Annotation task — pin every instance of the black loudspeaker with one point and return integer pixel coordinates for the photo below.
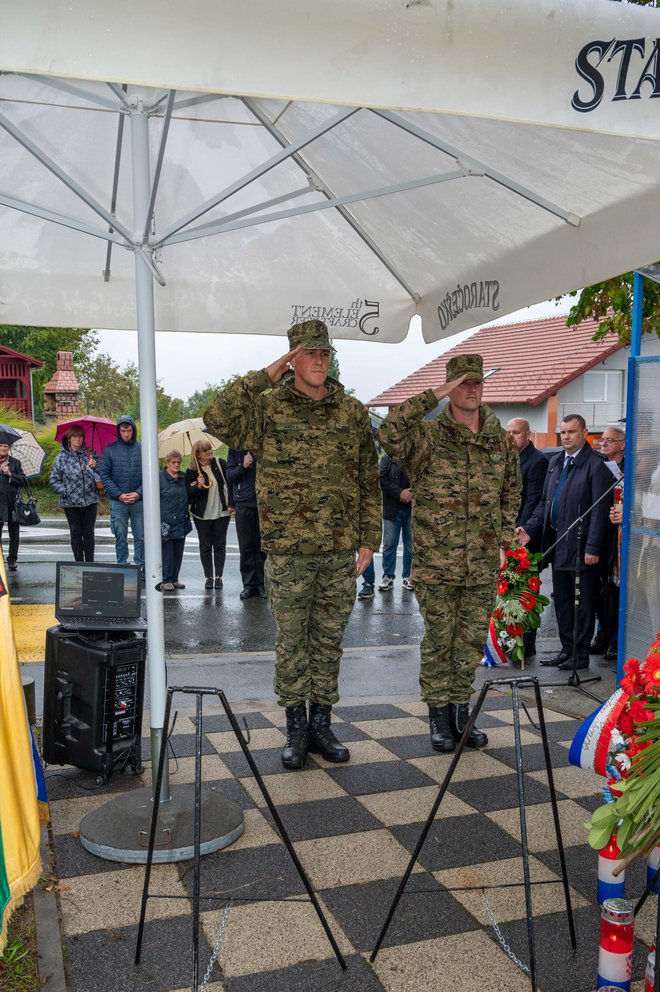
(93, 699)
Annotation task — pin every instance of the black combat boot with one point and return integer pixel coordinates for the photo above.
(321, 739)
(442, 738)
(459, 715)
(294, 752)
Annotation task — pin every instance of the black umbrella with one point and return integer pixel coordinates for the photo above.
(8, 435)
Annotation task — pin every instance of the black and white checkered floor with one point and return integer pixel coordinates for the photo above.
(353, 827)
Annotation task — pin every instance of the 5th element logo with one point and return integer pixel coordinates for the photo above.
(362, 314)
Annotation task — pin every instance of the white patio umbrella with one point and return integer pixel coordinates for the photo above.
(183, 435)
(359, 161)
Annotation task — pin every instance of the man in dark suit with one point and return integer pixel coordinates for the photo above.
(576, 479)
(533, 468)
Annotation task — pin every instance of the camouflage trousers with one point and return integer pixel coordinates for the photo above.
(311, 598)
(456, 622)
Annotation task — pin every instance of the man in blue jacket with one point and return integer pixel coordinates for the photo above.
(242, 477)
(121, 473)
(577, 478)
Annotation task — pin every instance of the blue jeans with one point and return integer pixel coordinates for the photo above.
(369, 574)
(401, 525)
(120, 514)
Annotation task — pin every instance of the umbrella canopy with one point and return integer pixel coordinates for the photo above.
(473, 159)
(30, 454)
(382, 159)
(8, 435)
(99, 431)
(182, 435)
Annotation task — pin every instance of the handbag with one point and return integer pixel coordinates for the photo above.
(25, 509)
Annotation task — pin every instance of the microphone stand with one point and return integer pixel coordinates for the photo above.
(574, 681)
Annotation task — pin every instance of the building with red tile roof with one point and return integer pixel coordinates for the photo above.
(544, 368)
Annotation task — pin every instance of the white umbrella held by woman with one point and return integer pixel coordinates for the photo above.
(183, 435)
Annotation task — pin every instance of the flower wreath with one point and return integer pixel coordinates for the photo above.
(631, 810)
(519, 603)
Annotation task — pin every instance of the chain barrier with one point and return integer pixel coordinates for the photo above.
(500, 936)
(216, 949)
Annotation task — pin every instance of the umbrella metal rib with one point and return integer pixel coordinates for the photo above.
(256, 173)
(323, 187)
(479, 168)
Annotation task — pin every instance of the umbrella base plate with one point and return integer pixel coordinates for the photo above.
(119, 830)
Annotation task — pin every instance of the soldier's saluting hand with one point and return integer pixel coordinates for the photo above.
(277, 369)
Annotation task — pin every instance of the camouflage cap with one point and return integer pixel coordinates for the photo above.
(471, 366)
(310, 334)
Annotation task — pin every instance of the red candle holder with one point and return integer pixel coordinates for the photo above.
(616, 944)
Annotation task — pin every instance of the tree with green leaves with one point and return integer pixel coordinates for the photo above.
(200, 400)
(610, 303)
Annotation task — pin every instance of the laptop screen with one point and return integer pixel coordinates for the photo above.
(89, 589)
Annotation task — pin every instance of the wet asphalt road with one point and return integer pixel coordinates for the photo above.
(212, 638)
(211, 622)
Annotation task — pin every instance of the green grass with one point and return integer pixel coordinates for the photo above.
(18, 964)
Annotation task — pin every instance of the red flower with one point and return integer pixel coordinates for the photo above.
(636, 747)
(502, 587)
(625, 724)
(534, 583)
(650, 676)
(638, 711)
(520, 553)
(527, 601)
(514, 629)
(631, 681)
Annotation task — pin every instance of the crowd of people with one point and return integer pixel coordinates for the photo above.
(311, 503)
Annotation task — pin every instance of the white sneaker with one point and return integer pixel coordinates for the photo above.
(407, 583)
(387, 583)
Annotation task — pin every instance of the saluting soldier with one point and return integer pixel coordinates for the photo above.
(319, 505)
(465, 473)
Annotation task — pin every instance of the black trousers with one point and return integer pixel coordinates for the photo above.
(563, 585)
(81, 524)
(249, 544)
(212, 545)
(14, 540)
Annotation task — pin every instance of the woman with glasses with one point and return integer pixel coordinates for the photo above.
(208, 494)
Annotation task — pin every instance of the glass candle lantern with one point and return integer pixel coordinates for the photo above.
(616, 944)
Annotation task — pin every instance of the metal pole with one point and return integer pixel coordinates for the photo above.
(149, 430)
(631, 444)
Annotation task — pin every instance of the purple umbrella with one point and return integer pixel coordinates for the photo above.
(99, 431)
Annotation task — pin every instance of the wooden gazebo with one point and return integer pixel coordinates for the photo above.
(16, 380)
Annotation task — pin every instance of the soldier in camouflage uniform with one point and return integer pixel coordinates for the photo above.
(465, 473)
(319, 503)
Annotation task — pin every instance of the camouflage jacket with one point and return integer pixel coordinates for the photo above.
(317, 470)
(466, 489)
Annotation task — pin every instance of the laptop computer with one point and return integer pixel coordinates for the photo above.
(97, 597)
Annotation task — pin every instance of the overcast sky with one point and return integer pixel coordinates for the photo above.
(187, 362)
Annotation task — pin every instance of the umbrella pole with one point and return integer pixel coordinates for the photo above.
(119, 830)
(149, 429)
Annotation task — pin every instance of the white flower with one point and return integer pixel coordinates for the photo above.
(617, 740)
(623, 761)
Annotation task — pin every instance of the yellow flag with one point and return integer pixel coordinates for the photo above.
(20, 828)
